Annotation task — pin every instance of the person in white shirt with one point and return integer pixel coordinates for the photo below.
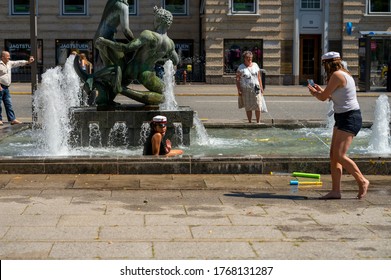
(341, 89)
(6, 64)
(249, 85)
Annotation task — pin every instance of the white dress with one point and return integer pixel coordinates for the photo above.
(250, 101)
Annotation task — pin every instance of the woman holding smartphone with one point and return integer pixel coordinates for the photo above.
(341, 89)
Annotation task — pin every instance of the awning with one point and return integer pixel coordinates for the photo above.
(376, 33)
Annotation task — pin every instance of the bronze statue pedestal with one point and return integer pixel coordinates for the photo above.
(133, 116)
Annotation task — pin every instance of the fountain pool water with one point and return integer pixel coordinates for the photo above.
(220, 142)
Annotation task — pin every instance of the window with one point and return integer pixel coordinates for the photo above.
(20, 7)
(65, 47)
(184, 49)
(380, 57)
(244, 6)
(176, 7)
(132, 7)
(233, 50)
(74, 7)
(286, 57)
(379, 6)
(310, 4)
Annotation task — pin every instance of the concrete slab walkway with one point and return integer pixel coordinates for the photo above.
(190, 217)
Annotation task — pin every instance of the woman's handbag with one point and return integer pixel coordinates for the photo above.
(263, 103)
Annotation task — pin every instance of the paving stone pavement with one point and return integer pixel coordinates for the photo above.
(189, 217)
(163, 217)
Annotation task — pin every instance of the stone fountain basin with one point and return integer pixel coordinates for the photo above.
(370, 164)
(184, 165)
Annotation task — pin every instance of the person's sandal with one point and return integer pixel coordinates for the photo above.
(1, 123)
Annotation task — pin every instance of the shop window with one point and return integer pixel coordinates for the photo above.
(132, 7)
(20, 49)
(65, 47)
(286, 57)
(176, 7)
(380, 57)
(74, 7)
(310, 4)
(185, 51)
(233, 50)
(379, 6)
(244, 6)
(20, 7)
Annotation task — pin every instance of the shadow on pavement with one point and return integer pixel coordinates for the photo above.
(268, 195)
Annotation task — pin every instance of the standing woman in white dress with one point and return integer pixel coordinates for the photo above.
(250, 88)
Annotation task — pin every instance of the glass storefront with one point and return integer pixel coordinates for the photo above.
(374, 60)
(184, 49)
(233, 50)
(380, 57)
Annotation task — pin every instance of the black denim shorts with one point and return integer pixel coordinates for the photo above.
(350, 121)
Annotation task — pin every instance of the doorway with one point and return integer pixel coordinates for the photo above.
(310, 58)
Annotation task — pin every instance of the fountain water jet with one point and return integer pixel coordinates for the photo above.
(59, 91)
(202, 134)
(95, 136)
(118, 135)
(380, 139)
(170, 103)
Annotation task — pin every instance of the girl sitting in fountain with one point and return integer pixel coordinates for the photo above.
(156, 144)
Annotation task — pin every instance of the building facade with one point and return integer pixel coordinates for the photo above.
(286, 37)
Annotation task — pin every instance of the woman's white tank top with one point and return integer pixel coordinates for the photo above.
(345, 99)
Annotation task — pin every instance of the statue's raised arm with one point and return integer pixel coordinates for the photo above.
(116, 13)
(124, 19)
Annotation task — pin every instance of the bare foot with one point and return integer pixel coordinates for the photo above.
(331, 195)
(363, 189)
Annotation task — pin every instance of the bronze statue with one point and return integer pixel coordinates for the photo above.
(116, 13)
(135, 60)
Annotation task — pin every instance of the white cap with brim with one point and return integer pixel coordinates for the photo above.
(159, 119)
(331, 55)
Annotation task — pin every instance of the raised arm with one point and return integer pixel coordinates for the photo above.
(124, 20)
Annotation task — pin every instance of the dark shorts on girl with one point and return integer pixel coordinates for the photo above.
(350, 121)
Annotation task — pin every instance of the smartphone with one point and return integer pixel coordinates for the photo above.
(311, 82)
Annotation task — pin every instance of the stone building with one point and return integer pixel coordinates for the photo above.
(287, 37)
